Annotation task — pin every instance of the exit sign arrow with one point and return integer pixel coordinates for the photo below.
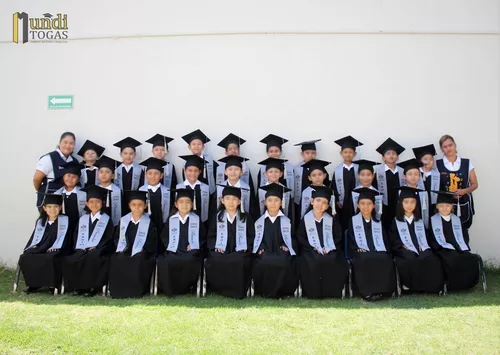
(60, 101)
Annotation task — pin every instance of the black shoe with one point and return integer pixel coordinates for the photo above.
(373, 297)
(77, 293)
(29, 290)
(91, 293)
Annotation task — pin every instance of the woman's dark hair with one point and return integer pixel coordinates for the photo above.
(222, 209)
(400, 211)
(67, 134)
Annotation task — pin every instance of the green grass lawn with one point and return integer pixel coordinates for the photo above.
(463, 323)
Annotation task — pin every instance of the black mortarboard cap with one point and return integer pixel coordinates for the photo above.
(73, 167)
(154, 163)
(231, 138)
(407, 191)
(107, 162)
(364, 164)
(193, 160)
(272, 140)
(366, 193)
(275, 190)
(410, 164)
(424, 150)
(321, 191)
(316, 164)
(348, 142)
(135, 195)
(198, 134)
(446, 197)
(233, 160)
(231, 191)
(89, 145)
(128, 142)
(51, 199)
(159, 140)
(390, 144)
(179, 193)
(274, 163)
(308, 145)
(94, 191)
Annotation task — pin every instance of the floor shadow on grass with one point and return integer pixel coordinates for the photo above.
(472, 298)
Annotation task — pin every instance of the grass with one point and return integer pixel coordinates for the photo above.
(462, 323)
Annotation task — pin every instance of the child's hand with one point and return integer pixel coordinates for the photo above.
(189, 247)
(339, 205)
(51, 250)
(362, 250)
(284, 248)
(219, 250)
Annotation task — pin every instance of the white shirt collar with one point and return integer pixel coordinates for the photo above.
(409, 219)
(134, 222)
(455, 165)
(238, 184)
(94, 217)
(70, 192)
(348, 167)
(229, 218)
(187, 183)
(182, 219)
(109, 187)
(393, 171)
(91, 168)
(154, 188)
(127, 167)
(68, 159)
(273, 219)
(446, 218)
(50, 222)
(426, 173)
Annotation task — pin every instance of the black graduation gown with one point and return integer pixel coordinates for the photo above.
(420, 272)
(427, 184)
(130, 276)
(373, 271)
(178, 272)
(461, 268)
(107, 209)
(88, 269)
(71, 210)
(389, 211)
(91, 175)
(229, 274)
(127, 186)
(345, 213)
(274, 271)
(322, 276)
(202, 177)
(157, 214)
(41, 268)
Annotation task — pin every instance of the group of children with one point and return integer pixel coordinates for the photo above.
(114, 223)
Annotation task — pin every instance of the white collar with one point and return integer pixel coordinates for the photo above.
(91, 168)
(182, 219)
(409, 219)
(187, 183)
(456, 162)
(229, 218)
(70, 192)
(68, 159)
(426, 173)
(154, 188)
(371, 187)
(271, 218)
(134, 222)
(393, 171)
(127, 167)
(94, 217)
(235, 185)
(317, 219)
(348, 167)
(446, 218)
(109, 187)
(50, 222)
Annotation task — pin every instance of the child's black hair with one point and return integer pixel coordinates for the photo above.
(400, 211)
(222, 209)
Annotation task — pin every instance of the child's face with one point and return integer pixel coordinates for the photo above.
(192, 173)
(137, 207)
(365, 178)
(308, 155)
(154, 177)
(428, 161)
(159, 152)
(320, 204)
(273, 204)
(128, 155)
(105, 175)
(348, 154)
(231, 203)
(366, 206)
(94, 205)
(444, 209)
(273, 175)
(412, 176)
(317, 177)
(70, 180)
(184, 205)
(196, 146)
(409, 205)
(90, 157)
(52, 210)
(233, 149)
(233, 173)
(274, 152)
(390, 157)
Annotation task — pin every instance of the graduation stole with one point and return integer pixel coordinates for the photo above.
(435, 177)
(209, 172)
(136, 176)
(312, 232)
(165, 201)
(193, 232)
(404, 235)
(84, 179)
(286, 228)
(140, 237)
(167, 175)
(245, 195)
(62, 229)
(378, 201)
(83, 241)
(114, 199)
(298, 171)
(285, 202)
(382, 181)
(81, 198)
(437, 228)
(205, 199)
(241, 233)
(339, 180)
(360, 235)
(220, 176)
(424, 202)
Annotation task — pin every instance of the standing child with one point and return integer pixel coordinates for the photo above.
(317, 175)
(113, 203)
(366, 178)
(430, 175)
(128, 175)
(232, 143)
(160, 151)
(412, 177)
(274, 145)
(90, 152)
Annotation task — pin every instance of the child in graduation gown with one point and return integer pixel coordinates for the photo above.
(366, 178)
(274, 145)
(202, 201)
(323, 268)
(74, 198)
(230, 244)
(232, 143)
(413, 179)
(372, 263)
(160, 151)
(113, 204)
(419, 268)
(160, 200)
(41, 260)
(389, 178)
(274, 271)
(128, 175)
(430, 175)
(86, 270)
(133, 263)
(233, 170)
(90, 152)
(274, 171)
(196, 141)
(317, 175)
(450, 241)
(345, 179)
(184, 239)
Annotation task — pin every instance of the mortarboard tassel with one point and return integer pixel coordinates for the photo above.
(149, 203)
(242, 209)
(64, 205)
(194, 202)
(107, 198)
(459, 210)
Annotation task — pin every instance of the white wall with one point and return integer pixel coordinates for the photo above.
(348, 79)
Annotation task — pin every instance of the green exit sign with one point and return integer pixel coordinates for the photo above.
(60, 101)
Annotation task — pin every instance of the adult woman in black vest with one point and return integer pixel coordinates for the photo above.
(458, 176)
(48, 174)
